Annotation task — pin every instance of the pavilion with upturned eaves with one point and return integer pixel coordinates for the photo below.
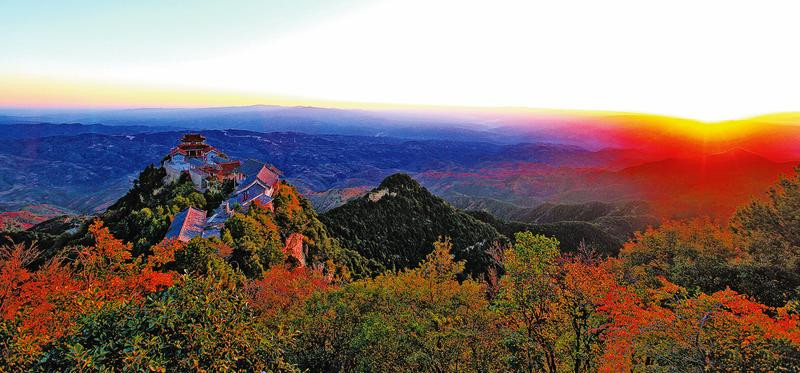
(205, 165)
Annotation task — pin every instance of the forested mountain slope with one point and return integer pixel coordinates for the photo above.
(397, 223)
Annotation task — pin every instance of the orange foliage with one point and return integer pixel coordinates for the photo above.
(47, 301)
(34, 294)
(109, 274)
(281, 289)
(642, 328)
(223, 250)
(164, 252)
(674, 238)
(628, 318)
(721, 329)
(292, 203)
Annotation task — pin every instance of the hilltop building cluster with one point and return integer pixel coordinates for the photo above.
(208, 168)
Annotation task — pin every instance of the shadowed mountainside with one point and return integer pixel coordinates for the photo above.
(615, 221)
(397, 223)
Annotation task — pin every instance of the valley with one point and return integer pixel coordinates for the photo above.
(85, 168)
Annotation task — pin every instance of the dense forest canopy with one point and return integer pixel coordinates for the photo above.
(398, 280)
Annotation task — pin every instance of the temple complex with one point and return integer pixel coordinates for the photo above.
(207, 167)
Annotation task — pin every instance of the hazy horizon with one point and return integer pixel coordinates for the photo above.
(443, 110)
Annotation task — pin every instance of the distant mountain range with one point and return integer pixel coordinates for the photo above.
(270, 118)
(772, 136)
(92, 168)
(618, 220)
(617, 172)
(37, 130)
(710, 185)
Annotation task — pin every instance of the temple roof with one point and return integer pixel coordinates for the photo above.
(205, 148)
(193, 137)
(177, 150)
(218, 217)
(214, 156)
(250, 167)
(245, 196)
(185, 148)
(187, 224)
(264, 200)
(264, 176)
(229, 167)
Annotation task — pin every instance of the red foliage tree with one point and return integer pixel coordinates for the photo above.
(44, 303)
(720, 331)
(282, 289)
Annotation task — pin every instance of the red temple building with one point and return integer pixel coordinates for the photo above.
(206, 166)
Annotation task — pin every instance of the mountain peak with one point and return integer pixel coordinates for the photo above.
(399, 182)
(399, 231)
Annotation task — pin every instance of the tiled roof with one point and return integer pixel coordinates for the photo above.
(193, 137)
(177, 150)
(187, 224)
(229, 167)
(244, 197)
(204, 147)
(215, 157)
(265, 201)
(250, 167)
(211, 170)
(253, 191)
(264, 176)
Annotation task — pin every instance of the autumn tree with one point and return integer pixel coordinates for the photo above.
(42, 306)
(549, 306)
(419, 319)
(283, 291)
(703, 256)
(672, 331)
(196, 325)
(256, 240)
(289, 211)
(528, 303)
(583, 283)
(35, 307)
(771, 229)
(198, 257)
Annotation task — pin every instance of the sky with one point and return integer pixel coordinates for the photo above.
(702, 59)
